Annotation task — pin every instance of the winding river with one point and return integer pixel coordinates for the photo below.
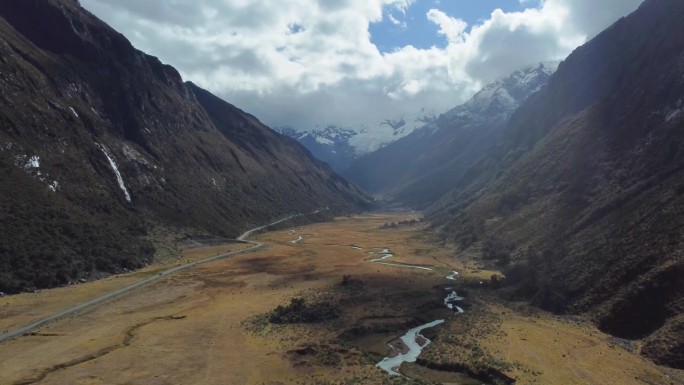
(299, 239)
(408, 347)
(386, 254)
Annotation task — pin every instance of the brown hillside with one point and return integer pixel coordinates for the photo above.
(586, 188)
(77, 104)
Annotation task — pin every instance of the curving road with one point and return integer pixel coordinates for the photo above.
(243, 238)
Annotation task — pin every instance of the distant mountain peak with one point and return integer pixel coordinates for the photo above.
(339, 146)
(501, 96)
(424, 164)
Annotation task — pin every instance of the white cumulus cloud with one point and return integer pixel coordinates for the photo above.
(313, 62)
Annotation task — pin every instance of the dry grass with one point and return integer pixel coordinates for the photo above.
(536, 347)
(192, 328)
(546, 349)
(22, 309)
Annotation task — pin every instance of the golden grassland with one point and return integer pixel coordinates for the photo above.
(535, 347)
(22, 309)
(550, 350)
(207, 325)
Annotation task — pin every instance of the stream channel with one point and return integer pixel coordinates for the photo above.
(410, 345)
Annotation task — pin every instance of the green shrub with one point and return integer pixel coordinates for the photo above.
(298, 311)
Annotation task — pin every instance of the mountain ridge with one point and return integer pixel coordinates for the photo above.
(107, 143)
(341, 146)
(580, 201)
(419, 168)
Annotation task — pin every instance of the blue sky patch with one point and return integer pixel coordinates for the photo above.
(397, 30)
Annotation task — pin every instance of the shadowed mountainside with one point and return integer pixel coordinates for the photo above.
(582, 200)
(100, 142)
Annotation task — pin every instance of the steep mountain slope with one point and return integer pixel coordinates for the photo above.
(341, 146)
(587, 186)
(100, 142)
(421, 167)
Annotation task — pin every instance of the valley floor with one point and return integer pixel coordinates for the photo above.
(209, 325)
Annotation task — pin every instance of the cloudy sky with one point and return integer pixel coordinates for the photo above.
(304, 63)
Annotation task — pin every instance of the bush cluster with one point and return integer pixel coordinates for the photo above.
(498, 250)
(298, 311)
(394, 225)
(48, 241)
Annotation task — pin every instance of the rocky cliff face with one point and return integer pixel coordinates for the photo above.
(585, 186)
(100, 142)
(421, 167)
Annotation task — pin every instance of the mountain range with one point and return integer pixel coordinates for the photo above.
(568, 178)
(101, 143)
(341, 146)
(577, 194)
(420, 167)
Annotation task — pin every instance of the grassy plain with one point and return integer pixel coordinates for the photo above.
(208, 325)
(25, 308)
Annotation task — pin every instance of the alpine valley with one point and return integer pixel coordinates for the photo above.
(573, 191)
(152, 233)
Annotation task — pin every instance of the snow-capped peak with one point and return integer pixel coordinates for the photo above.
(505, 95)
(339, 146)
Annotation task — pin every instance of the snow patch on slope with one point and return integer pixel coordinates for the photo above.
(324, 140)
(674, 112)
(33, 162)
(54, 186)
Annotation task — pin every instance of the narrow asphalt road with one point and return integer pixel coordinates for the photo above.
(118, 293)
